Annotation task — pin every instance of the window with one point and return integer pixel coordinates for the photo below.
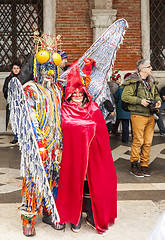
(157, 34)
(17, 19)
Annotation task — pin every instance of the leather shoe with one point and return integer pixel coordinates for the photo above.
(76, 228)
(58, 226)
(145, 171)
(90, 222)
(135, 170)
(14, 141)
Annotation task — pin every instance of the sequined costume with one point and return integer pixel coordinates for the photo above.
(44, 108)
(35, 116)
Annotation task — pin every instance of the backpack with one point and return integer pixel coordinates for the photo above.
(125, 105)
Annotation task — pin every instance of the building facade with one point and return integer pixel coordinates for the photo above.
(80, 23)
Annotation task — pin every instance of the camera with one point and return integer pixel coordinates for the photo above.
(151, 106)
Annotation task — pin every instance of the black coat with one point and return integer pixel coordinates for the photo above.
(5, 93)
(5, 86)
(26, 73)
(162, 93)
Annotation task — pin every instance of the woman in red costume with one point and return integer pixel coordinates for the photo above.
(86, 158)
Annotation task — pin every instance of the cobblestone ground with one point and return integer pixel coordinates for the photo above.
(140, 201)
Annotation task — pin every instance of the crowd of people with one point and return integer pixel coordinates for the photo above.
(145, 104)
(76, 154)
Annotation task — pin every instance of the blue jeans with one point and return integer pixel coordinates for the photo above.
(15, 137)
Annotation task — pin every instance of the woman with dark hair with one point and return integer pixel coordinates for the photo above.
(86, 156)
(15, 72)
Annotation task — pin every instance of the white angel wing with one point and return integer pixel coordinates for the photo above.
(103, 51)
(30, 157)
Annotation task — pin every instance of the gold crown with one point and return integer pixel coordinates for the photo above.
(46, 41)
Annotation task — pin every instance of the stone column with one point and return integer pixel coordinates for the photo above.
(101, 19)
(145, 28)
(49, 16)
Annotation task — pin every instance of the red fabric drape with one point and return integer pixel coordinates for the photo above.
(86, 151)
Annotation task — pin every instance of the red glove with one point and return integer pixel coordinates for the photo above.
(43, 150)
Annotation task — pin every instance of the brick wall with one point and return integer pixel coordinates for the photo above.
(73, 23)
(130, 52)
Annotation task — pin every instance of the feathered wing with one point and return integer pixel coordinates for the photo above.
(103, 51)
(30, 157)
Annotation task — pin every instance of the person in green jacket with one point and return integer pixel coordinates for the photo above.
(143, 103)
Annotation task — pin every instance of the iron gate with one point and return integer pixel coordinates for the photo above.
(17, 20)
(157, 34)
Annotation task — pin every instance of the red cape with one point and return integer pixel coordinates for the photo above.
(86, 151)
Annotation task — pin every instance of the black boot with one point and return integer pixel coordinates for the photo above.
(135, 170)
(76, 228)
(88, 206)
(48, 220)
(46, 217)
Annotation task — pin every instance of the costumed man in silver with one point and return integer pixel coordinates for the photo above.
(35, 116)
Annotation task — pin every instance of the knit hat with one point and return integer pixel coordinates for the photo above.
(62, 53)
(115, 75)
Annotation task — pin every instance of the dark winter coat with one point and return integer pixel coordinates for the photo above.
(5, 93)
(121, 114)
(26, 73)
(134, 101)
(162, 93)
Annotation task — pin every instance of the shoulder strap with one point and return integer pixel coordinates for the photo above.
(137, 85)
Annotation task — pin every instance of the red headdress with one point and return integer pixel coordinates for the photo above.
(89, 63)
(74, 81)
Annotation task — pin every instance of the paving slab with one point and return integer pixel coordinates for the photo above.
(140, 201)
(135, 221)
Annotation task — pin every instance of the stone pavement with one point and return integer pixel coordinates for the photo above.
(140, 201)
